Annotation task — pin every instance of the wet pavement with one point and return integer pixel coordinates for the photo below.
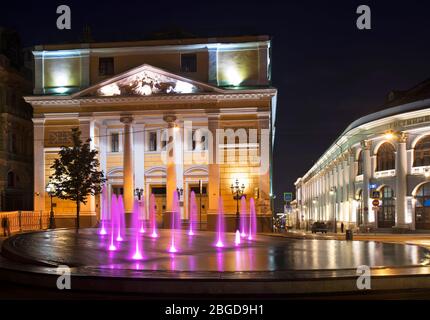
(87, 251)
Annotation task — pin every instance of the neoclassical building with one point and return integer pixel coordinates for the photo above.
(165, 116)
(385, 154)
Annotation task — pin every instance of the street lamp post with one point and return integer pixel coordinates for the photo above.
(50, 189)
(180, 192)
(238, 191)
(138, 193)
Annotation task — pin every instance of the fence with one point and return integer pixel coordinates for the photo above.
(25, 220)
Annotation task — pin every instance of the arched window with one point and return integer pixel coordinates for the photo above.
(360, 163)
(360, 208)
(422, 207)
(386, 159)
(422, 152)
(10, 179)
(387, 209)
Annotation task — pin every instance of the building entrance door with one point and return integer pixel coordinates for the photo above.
(202, 205)
(422, 207)
(159, 193)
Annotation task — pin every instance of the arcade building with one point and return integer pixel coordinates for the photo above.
(376, 175)
(165, 116)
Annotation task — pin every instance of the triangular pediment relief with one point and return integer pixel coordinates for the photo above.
(146, 80)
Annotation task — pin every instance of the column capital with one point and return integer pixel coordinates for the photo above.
(170, 119)
(126, 119)
(403, 137)
(366, 144)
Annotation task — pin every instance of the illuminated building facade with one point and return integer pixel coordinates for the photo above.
(385, 153)
(164, 115)
(16, 147)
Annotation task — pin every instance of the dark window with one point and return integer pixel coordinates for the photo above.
(387, 209)
(385, 158)
(360, 163)
(106, 67)
(114, 142)
(360, 208)
(118, 190)
(152, 141)
(158, 190)
(10, 179)
(422, 152)
(189, 62)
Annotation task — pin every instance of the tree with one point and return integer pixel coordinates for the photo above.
(76, 173)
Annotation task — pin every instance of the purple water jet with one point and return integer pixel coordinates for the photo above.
(220, 224)
(175, 222)
(142, 215)
(152, 217)
(252, 220)
(120, 219)
(114, 208)
(237, 238)
(243, 214)
(103, 211)
(137, 255)
(193, 213)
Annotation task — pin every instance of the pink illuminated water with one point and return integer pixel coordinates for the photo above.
(193, 213)
(137, 254)
(252, 220)
(103, 211)
(120, 220)
(141, 215)
(237, 238)
(220, 224)
(152, 217)
(243, 215)
(114, 209)
(175, 222)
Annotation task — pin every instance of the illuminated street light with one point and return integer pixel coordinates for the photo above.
(238, 191)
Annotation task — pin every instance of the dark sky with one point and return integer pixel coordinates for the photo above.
(328, 73)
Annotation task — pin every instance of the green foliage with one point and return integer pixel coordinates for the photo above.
(76, 174)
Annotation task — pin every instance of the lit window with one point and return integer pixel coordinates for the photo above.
(422, 152)
(386, 159)
(189, 62)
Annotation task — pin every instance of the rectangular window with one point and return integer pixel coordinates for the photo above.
(114, 142)
(106, 67)
(152, 143)
(189, 62)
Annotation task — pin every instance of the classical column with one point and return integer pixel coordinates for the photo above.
(39, 165)
(213, 171)
(351, 184)
(103, 166)
(170, 169)
(139, 158)
(366, 178)
(88, 211)
(128, 168)
(401, 171)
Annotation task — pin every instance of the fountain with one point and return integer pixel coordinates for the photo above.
(175, 222)
(252, 220)
(243, 216)
(120, 218)
(152, 217)
(113, 214)
(237, 238)
(193, 213)
(136, 230)
(103, 211)
(220, 224)
(141, 215)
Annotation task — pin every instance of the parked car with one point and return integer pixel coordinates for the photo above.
(319, 227)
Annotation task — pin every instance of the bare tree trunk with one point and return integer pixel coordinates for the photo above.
(78, 208)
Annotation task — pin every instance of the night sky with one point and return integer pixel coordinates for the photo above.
(328, 72)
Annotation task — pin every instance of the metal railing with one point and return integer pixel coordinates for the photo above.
(19, 221)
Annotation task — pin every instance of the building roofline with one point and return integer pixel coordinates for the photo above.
(153, 43)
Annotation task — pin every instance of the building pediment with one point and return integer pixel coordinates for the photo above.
(145, 80)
